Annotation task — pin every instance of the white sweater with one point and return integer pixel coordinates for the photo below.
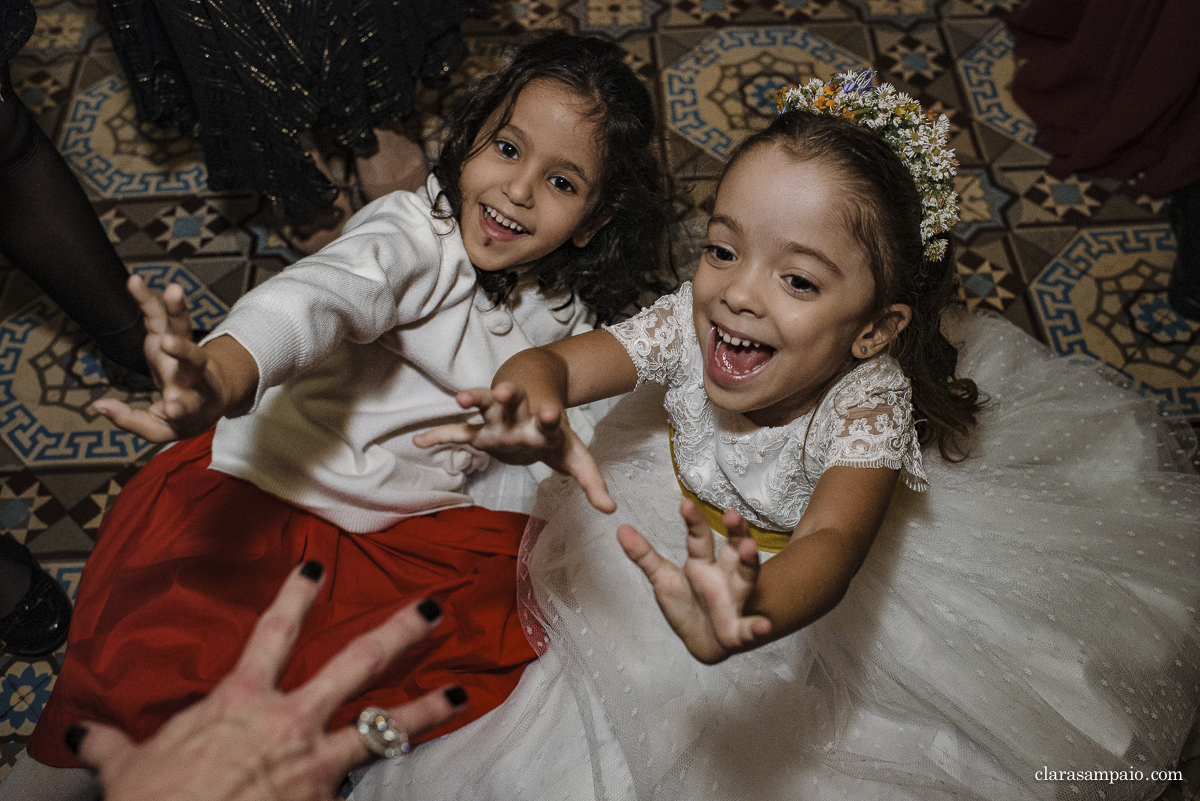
(364, 344)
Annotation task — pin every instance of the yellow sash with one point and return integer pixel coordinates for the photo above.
(766, 539)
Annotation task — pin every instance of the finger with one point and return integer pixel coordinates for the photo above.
(178, 321)
(548, 418)
(741, 632)
(477, 398)
(145, 424)
(582, 466)
(431, 709)
(700, 543)
(743, 550)
(102, 747)
(511, 400)
(183, 349)
(747, 551)
(450, 434)
(184, 383)
(504, 392)
(367, 656)
(735, 524)
(154, 313)
(642, 553)
(266, 652)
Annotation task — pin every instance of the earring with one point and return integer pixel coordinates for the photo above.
(864, 350)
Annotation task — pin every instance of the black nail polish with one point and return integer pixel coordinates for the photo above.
(73, 736)
(457, 696)
(430, 609)
(312, 570)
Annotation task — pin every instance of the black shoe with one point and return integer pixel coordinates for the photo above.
(38, 624)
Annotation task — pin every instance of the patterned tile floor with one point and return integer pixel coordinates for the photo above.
(1081, 264)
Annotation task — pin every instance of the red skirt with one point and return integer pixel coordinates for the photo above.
(188, 558)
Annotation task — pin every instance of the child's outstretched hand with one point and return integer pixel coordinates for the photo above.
(190, 402)
(512, 433)
(704, 601)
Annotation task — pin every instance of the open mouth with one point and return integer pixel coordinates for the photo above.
(737, 357)
(497, 226)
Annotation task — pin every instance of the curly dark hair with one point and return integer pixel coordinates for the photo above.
(628, 260)
(883, 211)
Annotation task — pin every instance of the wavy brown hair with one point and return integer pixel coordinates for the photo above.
(882, 209)
(629, 258)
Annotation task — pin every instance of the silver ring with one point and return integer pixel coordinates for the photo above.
(380, 734)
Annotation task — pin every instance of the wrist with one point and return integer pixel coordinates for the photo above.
(540, 374)
(232, 373)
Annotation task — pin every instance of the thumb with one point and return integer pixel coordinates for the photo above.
(103, 748)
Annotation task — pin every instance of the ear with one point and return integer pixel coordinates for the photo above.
(589, 229)
(882, 330)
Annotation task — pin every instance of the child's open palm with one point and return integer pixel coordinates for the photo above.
(512, 433)
(704, 601)
(189, 404)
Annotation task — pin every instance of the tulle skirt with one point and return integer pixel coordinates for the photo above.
(1027, 623)
(188, 558)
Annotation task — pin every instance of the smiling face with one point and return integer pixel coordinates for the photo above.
(783, 291)
(535, 183)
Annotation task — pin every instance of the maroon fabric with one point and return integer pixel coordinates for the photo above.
(188, 558)
(1114, 87)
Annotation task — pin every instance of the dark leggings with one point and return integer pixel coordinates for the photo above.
(49, 230)
(1184, 287)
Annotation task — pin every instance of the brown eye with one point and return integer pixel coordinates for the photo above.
(507, 149)
(719, 253)
(800, 284)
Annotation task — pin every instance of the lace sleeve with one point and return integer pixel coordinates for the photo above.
(873, 424)
(657, 338)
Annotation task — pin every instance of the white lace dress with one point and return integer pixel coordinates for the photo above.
(1033, 611)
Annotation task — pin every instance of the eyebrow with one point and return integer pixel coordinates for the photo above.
(564, 163)
(792, 247)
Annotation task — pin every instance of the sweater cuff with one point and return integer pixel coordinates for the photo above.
(275, 355)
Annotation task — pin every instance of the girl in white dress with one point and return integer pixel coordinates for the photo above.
(1007, 612)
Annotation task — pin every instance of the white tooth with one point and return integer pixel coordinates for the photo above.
(737, 342)
(500, 218)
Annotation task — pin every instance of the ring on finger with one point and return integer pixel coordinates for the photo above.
(380, 734)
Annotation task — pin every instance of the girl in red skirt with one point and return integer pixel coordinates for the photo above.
(545, 213)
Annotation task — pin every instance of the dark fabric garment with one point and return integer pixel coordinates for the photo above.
(1114, 87)
(248, 75)
(17, 21)
(48, 228)
(188, 558)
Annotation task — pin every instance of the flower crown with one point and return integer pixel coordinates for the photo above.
(918, 139)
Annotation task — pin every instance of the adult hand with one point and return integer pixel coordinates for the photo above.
(196, 390)
(247, 741)
(514, 434)
(705, 600)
